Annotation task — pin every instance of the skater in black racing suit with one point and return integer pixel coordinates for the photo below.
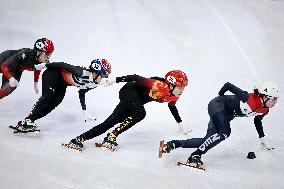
(133, 95)
(14, 62)
(56, 78)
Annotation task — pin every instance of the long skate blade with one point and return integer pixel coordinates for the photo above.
(161, 148)
(104, 147)
(12, 127)
(16, 130)
(34, 131)
(71, 147)
(192, 167)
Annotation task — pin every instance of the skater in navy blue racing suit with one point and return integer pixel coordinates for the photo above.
(222, 110)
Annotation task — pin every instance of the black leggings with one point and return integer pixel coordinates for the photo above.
(53, 92)
(127, 113)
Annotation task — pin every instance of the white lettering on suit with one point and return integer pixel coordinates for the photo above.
(209, 141)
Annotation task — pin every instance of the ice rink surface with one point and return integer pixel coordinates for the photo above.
(213, 41)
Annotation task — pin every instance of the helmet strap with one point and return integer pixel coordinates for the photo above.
(172, 87)
(264, 102)
(95, 77)
(38, 53)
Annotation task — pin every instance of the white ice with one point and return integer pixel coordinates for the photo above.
(213, 41)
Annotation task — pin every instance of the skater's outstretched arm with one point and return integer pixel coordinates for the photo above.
(259, 129)
(76, 70)
(36, 78)
(182, 128)
(82, 98)
(87, 116)
(242, 95)
(174, 111)
(128, 78)
(258, 125)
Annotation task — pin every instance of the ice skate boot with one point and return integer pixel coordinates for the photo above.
(195, 160)
(194, 163)
(109, 142)
(166, 147)
(75, 144)
(25, 126)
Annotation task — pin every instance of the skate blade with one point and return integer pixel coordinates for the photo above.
(16, 130)
(161, 148)
(102, 146)
(191, 167)
(71, 147)
(34, 131)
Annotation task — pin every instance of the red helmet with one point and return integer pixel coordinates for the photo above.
(177, 78)
(44, 45)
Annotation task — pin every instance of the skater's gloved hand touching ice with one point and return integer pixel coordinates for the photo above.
(108, 81)
(36, 87)
(88, 117)
(264, 145)
(183, 129)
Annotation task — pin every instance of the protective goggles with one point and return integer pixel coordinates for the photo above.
(103, 73)
(104, 76)
(46, 54)
(273, 98)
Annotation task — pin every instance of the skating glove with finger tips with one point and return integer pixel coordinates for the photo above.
(182, 129)
(36, 87)
(13, 82)
(264, 145)
(88, 117)
(108, 82)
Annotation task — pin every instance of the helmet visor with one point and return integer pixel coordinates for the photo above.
(274, 98)
(104, 76)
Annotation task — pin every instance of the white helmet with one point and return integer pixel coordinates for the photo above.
(269, 89)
